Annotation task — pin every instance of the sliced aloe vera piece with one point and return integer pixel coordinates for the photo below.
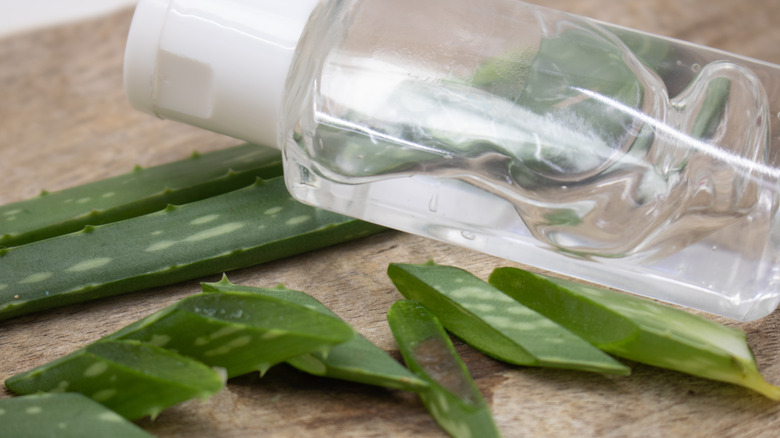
(452, 397)
(242, 228)
(139, 192)
(239, 332)
(131, 378)
(488, 320)
(639, 329)
(66, 415)
(357, 360)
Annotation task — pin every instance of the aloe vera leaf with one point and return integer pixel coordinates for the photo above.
(139, 192)
(639, 329)
(488, 320)
(130, 378)
(452, 397)
(239, 332)
(65, 415)
(357, 360)
(238, 229)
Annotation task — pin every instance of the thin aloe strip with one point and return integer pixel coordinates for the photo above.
(65, 415)
(130, 378)
(488, 320)
(239, 332)
(142, 191)
(452, 397)
(357, 360)
(235, 230)
(639, 329)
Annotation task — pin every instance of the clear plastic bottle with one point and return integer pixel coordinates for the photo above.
(605, 154)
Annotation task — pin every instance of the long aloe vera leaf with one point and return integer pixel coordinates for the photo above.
(357, 360)
(238, 229)
(239, 332)
(452, 397)
(139, 192)
(488, 320)
(130, 378)
(639, 329)
(66, 415)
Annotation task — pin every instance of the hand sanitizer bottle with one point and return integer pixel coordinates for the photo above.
(601, 153)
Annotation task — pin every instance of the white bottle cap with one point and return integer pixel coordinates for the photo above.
(217, 64)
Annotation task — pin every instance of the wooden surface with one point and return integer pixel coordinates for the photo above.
(64, 121)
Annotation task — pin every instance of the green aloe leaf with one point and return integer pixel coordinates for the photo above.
(66, 415)
(488, 320)
(139, 192)
(639, 329)
(452, 398)
(357, 360)
(239, 332)
(242, 228)
(131, 378)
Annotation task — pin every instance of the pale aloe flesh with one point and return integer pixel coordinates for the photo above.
(452, 398)
(639, 329)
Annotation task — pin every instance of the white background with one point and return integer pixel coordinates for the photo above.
(22, 15)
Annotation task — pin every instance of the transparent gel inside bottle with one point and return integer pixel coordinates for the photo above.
(604, 154)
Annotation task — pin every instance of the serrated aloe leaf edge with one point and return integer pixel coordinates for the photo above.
(239, 332)
(242, 228)
(142, 191)
(131, 378)
(356, 360)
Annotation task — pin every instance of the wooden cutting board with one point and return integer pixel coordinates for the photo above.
(64, 121)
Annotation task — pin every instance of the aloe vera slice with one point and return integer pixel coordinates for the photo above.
(488, 320)
(452, 398)
(66, 415)
(235, 230)
(357, 360)
(239, 332)
(639, 329)
(131, 378)
(139, 192)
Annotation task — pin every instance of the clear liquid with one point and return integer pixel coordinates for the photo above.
(565, 152)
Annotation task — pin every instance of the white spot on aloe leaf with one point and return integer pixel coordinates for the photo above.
(204, 219)
(159, 340)
(103, 395)
(2, 411)
(298, 220)
(226, 331)
(89, 264)
(216, 232)
(273, 210)
(96, 369)
(109, 195)
(83, 200)
(34, 410)
(110, 417)
(238, 342)
(161, 245)
(12, 212)
(157, 233)
(36, 278)
(3, 286)
(273, 334)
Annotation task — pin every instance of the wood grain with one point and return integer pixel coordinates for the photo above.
(64, 120)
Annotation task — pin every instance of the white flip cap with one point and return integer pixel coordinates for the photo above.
(216, 64)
